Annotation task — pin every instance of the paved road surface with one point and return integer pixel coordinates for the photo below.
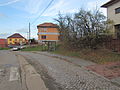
(9, 71)
(57, 74)
(62, 75)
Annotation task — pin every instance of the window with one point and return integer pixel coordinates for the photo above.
(43, 36)
(43, 29)
(10, 39)
(117, 10)
(15, 39)
(10, 43)
(20, 39)
(117, 28)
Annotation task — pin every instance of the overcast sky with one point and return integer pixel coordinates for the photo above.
(16, 14)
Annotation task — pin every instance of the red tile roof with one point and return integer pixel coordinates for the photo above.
(16, 35)
(48, 25)
(110, 3)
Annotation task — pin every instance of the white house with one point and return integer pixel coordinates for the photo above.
(113, 13)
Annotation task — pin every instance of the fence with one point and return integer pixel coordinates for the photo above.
(3, 45)
(113, 44)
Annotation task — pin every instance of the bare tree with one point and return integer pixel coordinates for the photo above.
(82, 30)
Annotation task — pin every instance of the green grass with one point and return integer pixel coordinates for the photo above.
(4, 48)
(35, 48)
(98, 56)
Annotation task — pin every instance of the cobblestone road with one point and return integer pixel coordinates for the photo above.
(70, 76)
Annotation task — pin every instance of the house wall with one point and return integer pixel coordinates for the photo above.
(15, 40)
(3, 43)
(111, 13)
(113, 16)
(51, 34)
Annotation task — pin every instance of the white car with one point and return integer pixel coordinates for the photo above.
(15, 49)
(22, 47)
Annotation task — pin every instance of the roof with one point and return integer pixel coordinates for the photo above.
(3, 39)
(16, 35)
(48, 25)
(111, 2)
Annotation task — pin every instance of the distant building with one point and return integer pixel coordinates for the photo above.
(113, 13)
(3, 43)
(16, 39)
(47, 32)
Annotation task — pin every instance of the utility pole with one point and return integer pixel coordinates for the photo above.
(29, 34)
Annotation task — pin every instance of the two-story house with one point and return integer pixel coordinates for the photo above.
(113, 13)
(47, 32)
(16, 39)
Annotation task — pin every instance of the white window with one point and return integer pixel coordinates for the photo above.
(43, 29)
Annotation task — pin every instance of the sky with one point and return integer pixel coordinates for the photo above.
(15, 15)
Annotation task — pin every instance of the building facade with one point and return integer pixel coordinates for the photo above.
(16, 39)
(47, 32)
(3, 43)
(113, 13)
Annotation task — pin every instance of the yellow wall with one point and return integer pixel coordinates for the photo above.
(15, 40)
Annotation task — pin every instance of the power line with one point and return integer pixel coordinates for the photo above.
(37, 19)
(43, 11)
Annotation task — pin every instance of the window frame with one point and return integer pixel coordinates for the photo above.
(10, 39)
(43, 36)
(15, 39)
(43, 29)
(117, 10)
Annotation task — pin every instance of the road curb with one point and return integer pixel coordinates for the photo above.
(32, 80)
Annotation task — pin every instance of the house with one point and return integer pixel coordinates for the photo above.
(16, 39)
(113, 13)
(3, 43)
(47, 32)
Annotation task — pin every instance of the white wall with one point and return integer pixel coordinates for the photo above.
(111, 13)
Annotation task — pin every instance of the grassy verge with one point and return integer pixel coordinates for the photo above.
(98, 56)
(35, 48)
(4, 48)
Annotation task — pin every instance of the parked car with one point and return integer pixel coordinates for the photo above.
(15, 49)
(22, 47)
(10, 46)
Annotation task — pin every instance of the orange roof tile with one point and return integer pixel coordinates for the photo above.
(48, 25)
